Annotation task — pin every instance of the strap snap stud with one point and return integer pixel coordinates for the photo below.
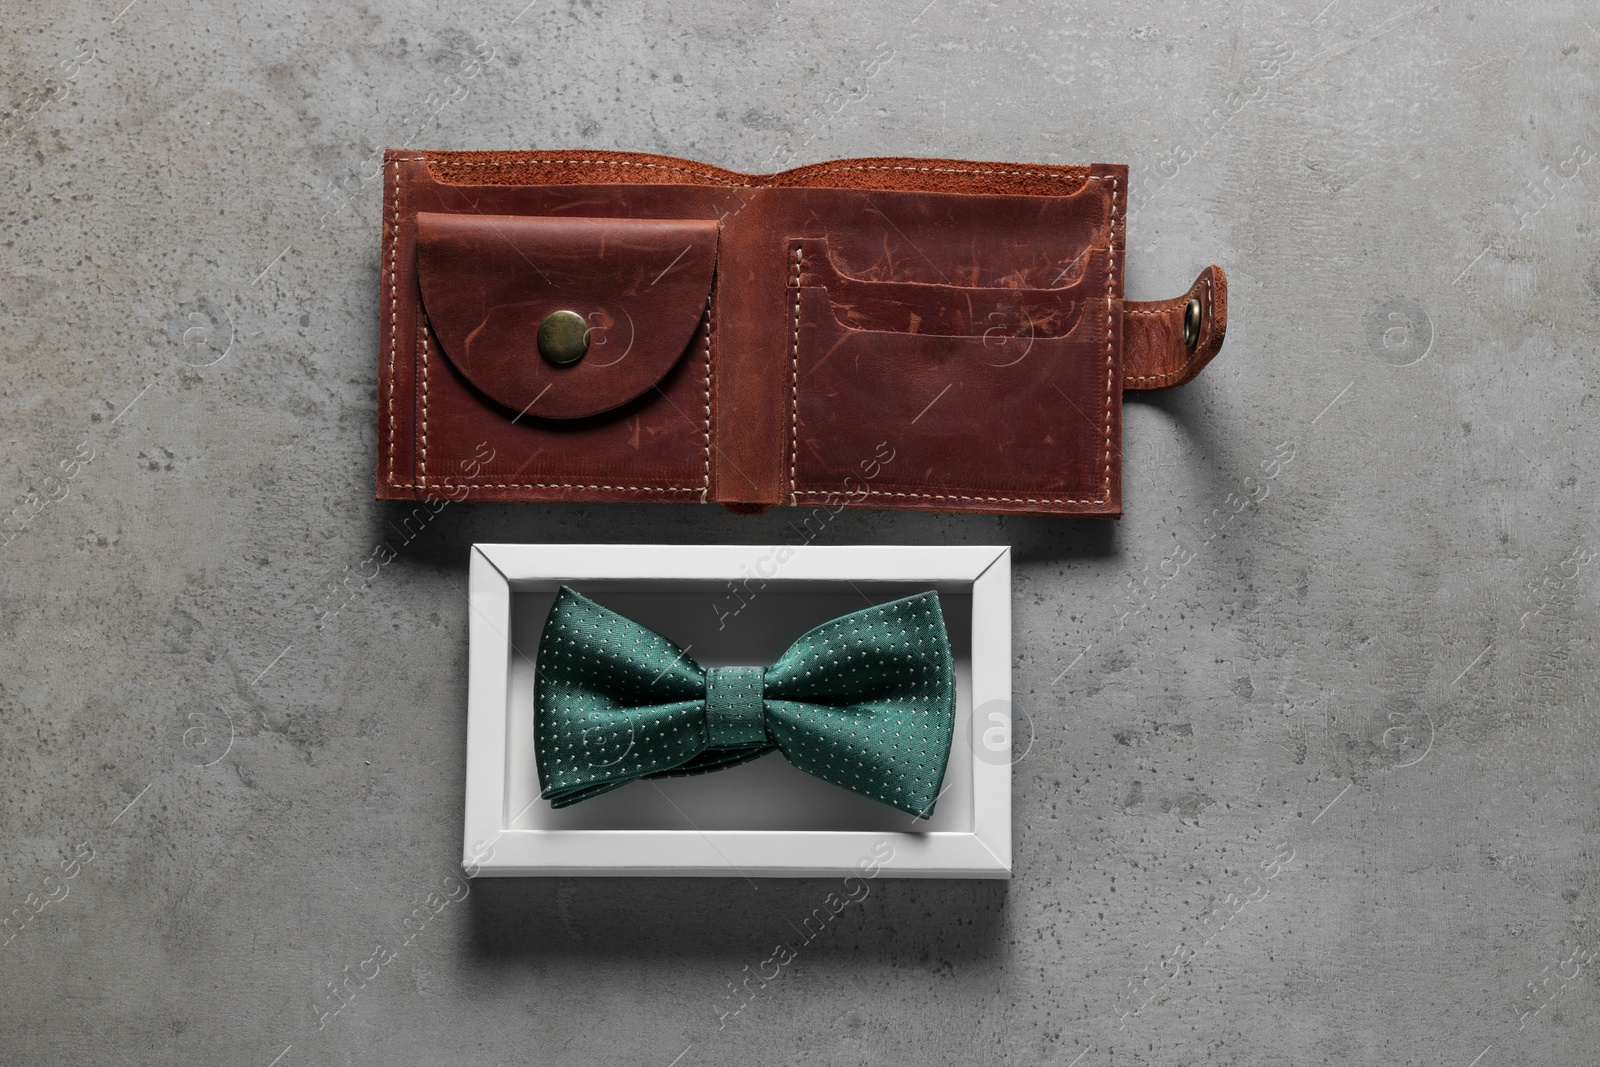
(1191, 322)
(563, 337)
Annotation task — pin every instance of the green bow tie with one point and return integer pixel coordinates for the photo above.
(866, 701)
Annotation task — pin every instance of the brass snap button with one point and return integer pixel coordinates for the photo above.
(563, 337)
(1191, 322)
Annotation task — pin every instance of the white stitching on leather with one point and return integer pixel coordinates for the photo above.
(1043, 172)
(422, 475)
(394, 305)
(566, 163)
(958, 170)
(794, 381)
(1111, 273)
(706, 492)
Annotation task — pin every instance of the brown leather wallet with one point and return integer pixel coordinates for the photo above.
(932, 334)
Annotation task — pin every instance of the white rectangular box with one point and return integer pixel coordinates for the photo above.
(731, 605)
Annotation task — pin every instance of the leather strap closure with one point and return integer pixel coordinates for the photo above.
(1154, 353)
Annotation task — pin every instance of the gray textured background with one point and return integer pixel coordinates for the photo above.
(1348, 618)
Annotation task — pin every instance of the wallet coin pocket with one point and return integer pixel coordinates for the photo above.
(558, 317)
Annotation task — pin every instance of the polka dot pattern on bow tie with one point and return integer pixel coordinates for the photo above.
(866, 701)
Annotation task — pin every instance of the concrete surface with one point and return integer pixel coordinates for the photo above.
(1365, 677)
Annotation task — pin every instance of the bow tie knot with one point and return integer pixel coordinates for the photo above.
(866, 701)
(735, 707)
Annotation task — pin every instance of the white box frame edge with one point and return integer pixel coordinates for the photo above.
(491, 848)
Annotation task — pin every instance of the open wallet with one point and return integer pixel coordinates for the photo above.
(931, 334)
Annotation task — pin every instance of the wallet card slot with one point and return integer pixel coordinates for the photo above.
(966, 423)
(1004, 315)
(821, 267)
